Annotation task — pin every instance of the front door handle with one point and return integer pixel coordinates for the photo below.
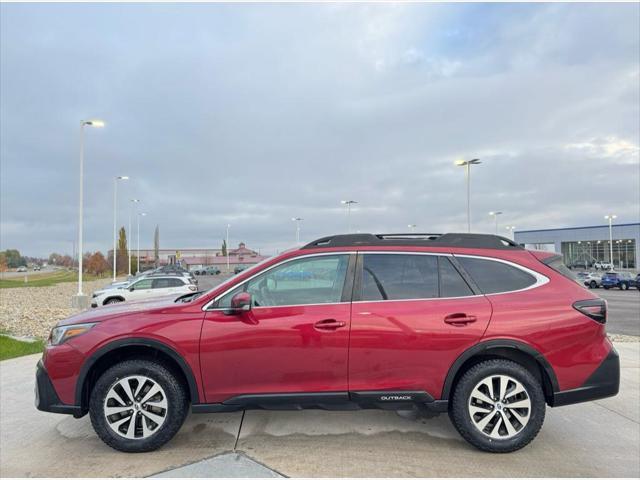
(329, 324)
(459, 319)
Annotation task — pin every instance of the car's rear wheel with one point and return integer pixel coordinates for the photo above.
(624, 286)
(113, 300)
(593, 284)
(605, 287)
(498, 406)
(137, 406)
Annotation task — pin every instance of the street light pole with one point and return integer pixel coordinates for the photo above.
(297, 220)
(467, 164)
(610, 217)
(141, 214)
(495, 214)
(80, 298)
(511, 228)
(348, 203)
(227, 244)
(115, 220)
(129, 236)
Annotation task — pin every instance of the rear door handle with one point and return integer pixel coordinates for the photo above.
(459, 319)
(329, 324)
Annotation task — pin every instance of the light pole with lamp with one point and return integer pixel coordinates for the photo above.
(227, 244)
(297, 220)
(495, 215)
(141, 214)
(468, 163)
(129, 236)
(80, 300)
(115, 222)
(610, 217)
(511, 229)
(348, 203)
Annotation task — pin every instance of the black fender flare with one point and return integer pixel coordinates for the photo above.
(486, 347)
(133, 342)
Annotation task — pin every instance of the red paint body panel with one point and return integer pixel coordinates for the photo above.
(393, 345)
(406, 345)
(274, 350)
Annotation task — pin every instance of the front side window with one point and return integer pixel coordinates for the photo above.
(494, 277)
(312, 280)
(399, 277)
(142, 284)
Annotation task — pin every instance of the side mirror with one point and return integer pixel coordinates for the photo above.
(240, 302)
(131, 289)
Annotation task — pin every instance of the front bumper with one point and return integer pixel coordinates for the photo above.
(46, 397)
(603, 382)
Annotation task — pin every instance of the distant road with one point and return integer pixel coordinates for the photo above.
(29, 272)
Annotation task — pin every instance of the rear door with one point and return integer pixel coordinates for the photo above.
(413, 314)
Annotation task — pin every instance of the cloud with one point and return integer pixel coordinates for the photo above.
(252, 114)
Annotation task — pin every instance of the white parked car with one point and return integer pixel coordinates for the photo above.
(592, 280)
(143, 289)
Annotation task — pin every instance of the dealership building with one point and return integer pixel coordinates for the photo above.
(583, 246)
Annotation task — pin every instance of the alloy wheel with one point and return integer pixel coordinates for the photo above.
(135, 407)
(499, 407)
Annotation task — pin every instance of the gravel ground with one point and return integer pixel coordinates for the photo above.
(32, 311)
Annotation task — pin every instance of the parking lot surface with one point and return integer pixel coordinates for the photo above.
(599, 438)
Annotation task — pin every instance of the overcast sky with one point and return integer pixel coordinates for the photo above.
(253, 114)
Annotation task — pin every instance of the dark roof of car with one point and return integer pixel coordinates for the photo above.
(460, 240)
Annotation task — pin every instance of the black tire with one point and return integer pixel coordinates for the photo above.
(113, 300)
(176, 412)
(624, 286)
(605, 287)
(461, 418)
(593, 284)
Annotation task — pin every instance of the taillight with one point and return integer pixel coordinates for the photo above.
(595, 308)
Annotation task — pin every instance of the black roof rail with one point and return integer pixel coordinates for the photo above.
(460, 240)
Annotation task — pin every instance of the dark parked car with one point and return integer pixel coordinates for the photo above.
(470, 325)
(238, 269)
(621, 280)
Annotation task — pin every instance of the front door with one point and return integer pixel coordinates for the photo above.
(413, 315)
(293, 340)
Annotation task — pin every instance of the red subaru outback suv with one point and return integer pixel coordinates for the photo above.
(472, 325)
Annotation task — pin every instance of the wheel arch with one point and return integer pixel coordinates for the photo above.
(513, 350)
(119, 350)
(111, 297)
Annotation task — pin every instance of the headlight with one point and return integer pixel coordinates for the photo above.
(59, 335)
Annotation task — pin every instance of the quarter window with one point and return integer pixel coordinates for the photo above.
(142, 284)
(495, 277)
(399, 277)
(305, 281)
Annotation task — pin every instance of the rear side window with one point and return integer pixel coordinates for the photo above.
(399, 277)
(451, 283)
(494, 277)
(556, 263)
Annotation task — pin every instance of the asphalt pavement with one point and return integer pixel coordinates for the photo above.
(599, 439)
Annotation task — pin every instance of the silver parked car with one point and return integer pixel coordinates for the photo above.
(592, 280)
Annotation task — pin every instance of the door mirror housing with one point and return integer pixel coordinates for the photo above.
(240, 302)
(132, 288)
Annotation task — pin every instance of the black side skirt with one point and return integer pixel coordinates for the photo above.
(387, 400)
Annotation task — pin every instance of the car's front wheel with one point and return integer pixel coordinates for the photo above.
(113, 300)
(498, 406)
(593, 284)
(137, 406)
(624, 286)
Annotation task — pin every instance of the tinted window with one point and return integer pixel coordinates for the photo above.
(557, 264)
(451, 283)
(399, 277)
(142, 284)
(299, 282)
(166, 283)
(493, 277)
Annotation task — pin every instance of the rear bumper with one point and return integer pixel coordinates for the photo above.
(604, 382)
(47, 399)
